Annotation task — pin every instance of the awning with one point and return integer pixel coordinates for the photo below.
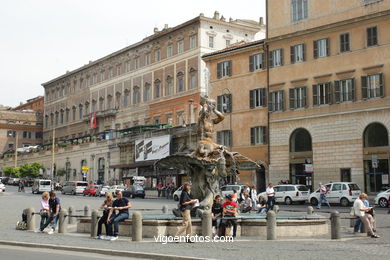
(133, 165)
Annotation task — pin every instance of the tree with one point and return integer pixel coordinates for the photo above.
(35, 169)
(12, 171)
(25, 170)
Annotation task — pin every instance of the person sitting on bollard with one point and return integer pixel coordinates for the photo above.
(323, 195)
(246, 204)
(361, 211)
(54, 211)
(217, 213)
(262, 206)
(122, 205)
(44, 212)
(106, 207)
(358, 222)
(229, 216)
(270, 197)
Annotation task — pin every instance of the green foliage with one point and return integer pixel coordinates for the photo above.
(61, 172)
(12, 171)
(30, 170)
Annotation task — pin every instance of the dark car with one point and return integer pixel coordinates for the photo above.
(134, 191)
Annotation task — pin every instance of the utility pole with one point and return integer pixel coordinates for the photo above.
(16, 149)
(52, 154)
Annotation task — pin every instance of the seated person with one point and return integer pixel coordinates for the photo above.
(217, 213)
(262, 205)
(122, 205)
(246, 204)
(229, 216)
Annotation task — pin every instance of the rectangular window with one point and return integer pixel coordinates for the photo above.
(321, 48)
(224, 69)
(180, 84)
(224, 103)
(157, 55)
(257, 98)
(372, 86)
(211, 41)
(80, 112)
(256, 62)
(180, 46)
(297, 53)
(193, 80)
(258, 135)
(169, 50)
(297, 97)
(299, 10)
(110, 73)
(127, 66)
(193, 41)
(118, 70)
(102, 76)
(227, 42)
(147, 59)
(322, 94)
(344, 42)
(344, 90)
(224, 138)
(137, 63)
(276, 58)
(74, 114)
(372, 36)
(11, 133)
(276, 101)
(156, 120)
(67, 115)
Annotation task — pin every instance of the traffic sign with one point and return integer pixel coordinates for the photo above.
(374, 161)
(85, 169)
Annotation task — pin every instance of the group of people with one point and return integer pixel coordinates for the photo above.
(168, 189)
(365, 215)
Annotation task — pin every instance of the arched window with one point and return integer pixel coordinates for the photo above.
(67, 115)
(375, 135)
(300, 141)
(193, 79)
(46, 121)
(109, 102)
(180, 82)
(117, 100)
(169, 86)
(74, 113)
(93, 107)
(157, 88)
(61, 116)
(126, 98)
(56, 118)
(136, 95)
(147, 92)
(101, 104)
(86, 107)
(80, 111)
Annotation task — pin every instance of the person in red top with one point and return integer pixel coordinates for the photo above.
(229, 215)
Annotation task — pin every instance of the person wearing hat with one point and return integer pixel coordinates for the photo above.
(229, 216)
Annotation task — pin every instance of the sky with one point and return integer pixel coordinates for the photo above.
(42, 39)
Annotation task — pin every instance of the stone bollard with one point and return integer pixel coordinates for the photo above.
(94, 222)
(30, 219)
(276, 209)
(86, 211)
(71, 212)
(207, 224)
(62, 223)
(271, 225)
(335, 225)
(165, 209)
(363, 228)
(310, 210)
(136, 226)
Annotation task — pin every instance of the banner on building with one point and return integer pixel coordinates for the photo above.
(93, 121)
(153, 148)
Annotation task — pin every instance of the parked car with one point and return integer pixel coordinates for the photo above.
(289, 193)
(13, 181)
(103, 190)
(134, 191)
(383, 198)
(177, 193)
(228, 189)
(91, 190)
(4, 180)
(74, 187)
(2, 187)
(344, 193)
(40, 186)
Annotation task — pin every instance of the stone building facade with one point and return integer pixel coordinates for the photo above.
(329, 98)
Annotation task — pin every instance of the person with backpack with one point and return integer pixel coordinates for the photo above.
(323, 195)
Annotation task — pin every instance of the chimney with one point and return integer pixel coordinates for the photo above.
(165, 26)
(216, 15)
(261, 21)
(223, 19)
(201, 14)
(155, 30)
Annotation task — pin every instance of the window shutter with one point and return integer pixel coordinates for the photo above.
(337, 91)
(230, 104)
(251, 63)
(329, 92)
(292, 98)
(304, 97)
(230, 68)
(315, 96)
(282, 99)
(327, 47)
(364, 87)
(263, 95)
(381, 86)
(292, 55)
(353, 89)
(251, 99)
(264, 134)
(271, 102)
(263, 61)
(271, 59)
(253, 133)
(375, 36)
(315, 49)
(281, 57)
(219, 70)
(219, 103)
(304, 51)
(219, 137)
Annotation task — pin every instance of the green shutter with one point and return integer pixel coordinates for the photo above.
(364, 87)
(281, 57)
(264, 134)
(292, 98)
(229, 67)
(251, 99)
(337, 92)
(263, 96)
(381, 84)
(230, 103)
(353, 89)
(304, 97)
(315, 95)
(282, 99)
(292, 54)
(304, 51)
(327, 47)
(263, 66)
(251, 63)
(329, 92)
(253, 134)
(219, 137)
(315, 49)
(219, 70)
(219, 103)
(271, 59)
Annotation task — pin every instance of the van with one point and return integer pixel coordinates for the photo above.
(40, 186)
(74, 187)
(289, 193)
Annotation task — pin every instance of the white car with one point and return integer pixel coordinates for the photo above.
(2, 187)
(228, 189)
(382, 199)
(104, 190)
(116, 187)
(289, 193)
(344, 193)
(177, 193)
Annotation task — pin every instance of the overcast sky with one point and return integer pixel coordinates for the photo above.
(41, 39)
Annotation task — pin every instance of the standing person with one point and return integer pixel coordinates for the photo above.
(186, 204)
(323, 195)
(271, 196)
(246, 204)
(367, 219)
(254, 196)
(217, 213)
(121, 205)
(159, 187)
(229, 216)
(44, 212)
(106, 207)
(54, 210)
(21, 186)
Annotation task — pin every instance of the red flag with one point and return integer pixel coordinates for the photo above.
(92, 121)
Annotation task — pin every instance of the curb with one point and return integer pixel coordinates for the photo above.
(100, 251)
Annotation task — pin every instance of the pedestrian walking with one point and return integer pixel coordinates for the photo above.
(54, 211)
(44, 212)
(323, 195)
(229, 216)
(106, 207)
(186, 204)
(270, 197)
(361, 210)
(21, 186)
(119, 212)
(254, 196)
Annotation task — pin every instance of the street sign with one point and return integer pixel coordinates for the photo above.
(309, 168)
(85, 169)
(374, 161)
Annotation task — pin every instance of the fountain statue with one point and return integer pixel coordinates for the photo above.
(210, 163)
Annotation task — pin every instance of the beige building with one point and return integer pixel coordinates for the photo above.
(329, 98)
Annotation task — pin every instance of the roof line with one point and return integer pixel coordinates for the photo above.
(247, 45)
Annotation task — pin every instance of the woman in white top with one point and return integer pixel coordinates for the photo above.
(44, 212)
